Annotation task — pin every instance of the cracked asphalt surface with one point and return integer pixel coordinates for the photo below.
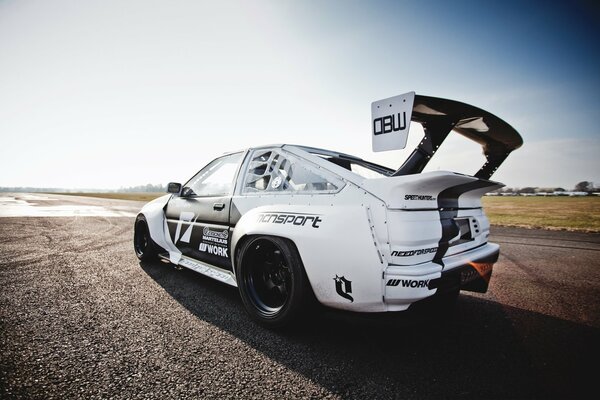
(80, 317)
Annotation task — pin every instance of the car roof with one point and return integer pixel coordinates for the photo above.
(336, 161)
(312, 150)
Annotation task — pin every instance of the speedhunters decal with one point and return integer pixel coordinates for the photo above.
(214, 241)
(298, 219)
(418, 197)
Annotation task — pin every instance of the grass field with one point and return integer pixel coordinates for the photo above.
(569, 213)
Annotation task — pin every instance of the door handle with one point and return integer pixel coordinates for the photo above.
(218, 206)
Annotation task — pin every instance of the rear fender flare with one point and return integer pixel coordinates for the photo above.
(333, 242)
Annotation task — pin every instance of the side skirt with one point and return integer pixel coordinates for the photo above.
(205, 269)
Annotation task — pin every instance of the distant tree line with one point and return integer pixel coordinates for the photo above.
(143, 188)
(582, 187)
(16, 189)
(132, 189)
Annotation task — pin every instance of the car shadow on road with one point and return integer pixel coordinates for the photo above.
(484, 350)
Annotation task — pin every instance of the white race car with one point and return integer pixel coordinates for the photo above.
(287, 224)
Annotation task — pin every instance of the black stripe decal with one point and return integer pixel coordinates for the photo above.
(448, 209)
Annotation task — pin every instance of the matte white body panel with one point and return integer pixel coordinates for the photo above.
(362, 226)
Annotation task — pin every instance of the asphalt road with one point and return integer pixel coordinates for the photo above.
(80, 317)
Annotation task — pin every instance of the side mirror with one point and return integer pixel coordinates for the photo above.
(174, 188)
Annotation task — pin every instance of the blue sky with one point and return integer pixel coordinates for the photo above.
(103, 94)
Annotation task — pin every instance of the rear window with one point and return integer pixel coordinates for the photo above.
(362, 168)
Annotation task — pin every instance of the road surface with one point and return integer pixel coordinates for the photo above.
(80, 317)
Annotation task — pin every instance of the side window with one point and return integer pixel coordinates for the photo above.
(216, 179)
(275, 171)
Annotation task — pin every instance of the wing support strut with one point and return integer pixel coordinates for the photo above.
(439, 117)
(436, 131)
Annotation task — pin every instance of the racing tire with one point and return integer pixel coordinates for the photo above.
(272, 282)
(144, 246)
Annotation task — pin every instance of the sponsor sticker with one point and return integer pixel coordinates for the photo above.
(418, 197)
(410, 253)
(408, 283)
(298, 219)
(214, 241)
(390, 122)
(343, 287)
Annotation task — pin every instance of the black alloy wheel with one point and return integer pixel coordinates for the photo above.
(271, 279)
(142, 242)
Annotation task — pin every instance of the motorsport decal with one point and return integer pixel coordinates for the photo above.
(188, 217)
(343, 287)
(412, 283)
(418, 197)
(214, 241)
(410, 253)
(299, 219)
(391, 122)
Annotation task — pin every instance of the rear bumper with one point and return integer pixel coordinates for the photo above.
(470, 270)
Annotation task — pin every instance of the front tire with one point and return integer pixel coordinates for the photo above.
(271, 279)
(144, 246)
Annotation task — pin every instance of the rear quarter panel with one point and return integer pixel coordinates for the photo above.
(341, 245)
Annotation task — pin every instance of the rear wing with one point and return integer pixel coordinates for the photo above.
(440, 116)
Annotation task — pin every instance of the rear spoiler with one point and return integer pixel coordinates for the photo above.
(440, 116)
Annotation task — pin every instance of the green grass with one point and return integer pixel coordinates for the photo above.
(568, 213)
(119, 196)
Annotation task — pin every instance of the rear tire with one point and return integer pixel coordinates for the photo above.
(272, 281)
(144, 246)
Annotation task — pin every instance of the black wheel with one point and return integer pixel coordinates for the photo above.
(271, 278)
(143, 245)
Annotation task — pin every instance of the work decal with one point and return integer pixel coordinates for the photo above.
(408, 283)
(214, 241)
(343, 287)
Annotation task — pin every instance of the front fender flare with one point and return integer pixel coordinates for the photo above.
(157, 226)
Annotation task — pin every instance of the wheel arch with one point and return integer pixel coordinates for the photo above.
(240, 243)
(339, 244)
(156, 221)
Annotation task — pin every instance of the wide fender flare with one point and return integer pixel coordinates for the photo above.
(157, 226)
(335, 244)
